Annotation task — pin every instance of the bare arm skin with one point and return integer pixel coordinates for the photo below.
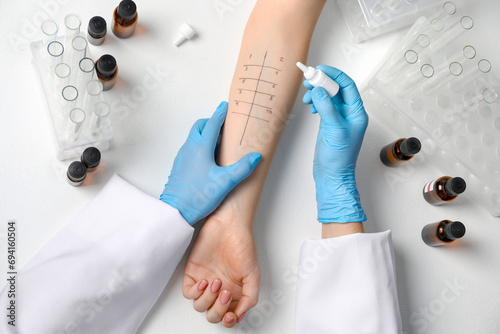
(222, 274)
(333, 230)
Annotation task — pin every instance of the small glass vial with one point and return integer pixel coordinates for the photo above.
(96, 31)
(91, 157)
(77, 172)
(106, 70)
(124, 19)
(443, 190)
(401, 150)
(442, 233)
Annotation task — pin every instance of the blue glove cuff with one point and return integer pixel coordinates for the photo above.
(183, 206)
(338, 198)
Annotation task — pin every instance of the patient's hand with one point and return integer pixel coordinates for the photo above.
(224, 252)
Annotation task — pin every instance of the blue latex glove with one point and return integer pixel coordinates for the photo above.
(197, 185)
(341, 132)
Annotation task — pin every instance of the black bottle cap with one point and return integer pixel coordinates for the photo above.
(127, 9)
(410, 146)
(77, 171)
(97, 26)
(454, 230)
(91, 157)
(455, 186)
(106, 65)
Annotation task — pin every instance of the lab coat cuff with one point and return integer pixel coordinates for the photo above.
(347, 284)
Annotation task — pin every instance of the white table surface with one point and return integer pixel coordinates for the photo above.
(151, 124)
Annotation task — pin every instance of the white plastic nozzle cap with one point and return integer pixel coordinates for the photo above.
(308, 70)
(185, 32)
(318, 78)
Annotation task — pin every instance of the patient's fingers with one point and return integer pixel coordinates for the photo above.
(229, 320)
(205, 301)
(251, 286)
(195, 290)
(220, 307)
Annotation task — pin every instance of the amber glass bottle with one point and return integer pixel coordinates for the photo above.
(401, 150)
(96, 31)
(443, 190)
(91, 157)
(77, 172)
(443, 232)
(124, 19)
(106, 70)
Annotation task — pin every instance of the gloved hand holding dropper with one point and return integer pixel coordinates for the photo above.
(341, 132)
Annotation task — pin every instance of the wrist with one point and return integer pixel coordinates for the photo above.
(333, 230)
(337, 197)
(229, 214)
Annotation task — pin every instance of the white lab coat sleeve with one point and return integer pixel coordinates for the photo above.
(347, 285)
(104, 270)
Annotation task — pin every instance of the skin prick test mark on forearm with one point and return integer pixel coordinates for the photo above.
(257, 92)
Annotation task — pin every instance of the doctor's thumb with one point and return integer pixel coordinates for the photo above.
(241, 169)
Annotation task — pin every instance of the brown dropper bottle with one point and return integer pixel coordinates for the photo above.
(401, 150)
(443, 232)
(443, 190)
(77, 172)
(124, 19)
(91, 157)
(96, 31)
(106, 70)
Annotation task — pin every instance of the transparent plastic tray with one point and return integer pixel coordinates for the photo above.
(370, 18)
(381, 12)
(438, 88)
(65, 148)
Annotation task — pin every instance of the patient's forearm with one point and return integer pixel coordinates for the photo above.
(264, 88)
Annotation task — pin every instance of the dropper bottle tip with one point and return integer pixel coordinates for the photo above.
(302, 66)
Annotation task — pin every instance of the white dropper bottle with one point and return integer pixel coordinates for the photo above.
(318, 78)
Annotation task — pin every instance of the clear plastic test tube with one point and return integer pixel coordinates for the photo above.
(394, 68)
(468, 52)
(72, 23)
(49, 30)
(413, 79)
(61, 77)
(55, 51)
(78, 52)
(92, 95)
(69, 95)
(481, 96)
(99, 115)
(418, 42)
(443, 39)
(85, 73)
(447, 11)
(75, 124)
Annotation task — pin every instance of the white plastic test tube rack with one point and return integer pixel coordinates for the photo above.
(455, 112)
(65, 68)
